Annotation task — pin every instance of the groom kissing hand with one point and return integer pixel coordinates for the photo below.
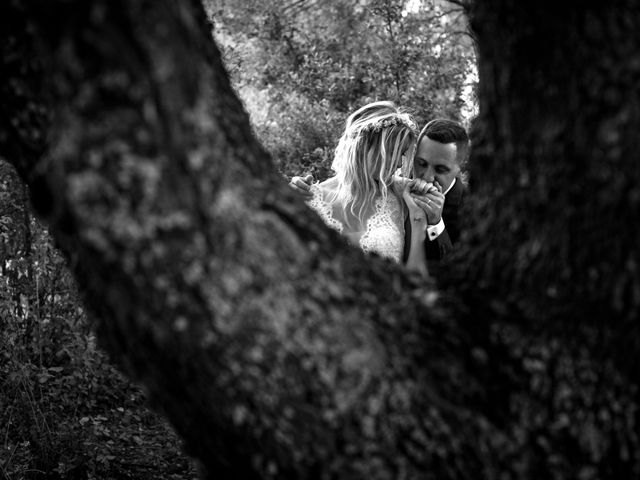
(443, 150)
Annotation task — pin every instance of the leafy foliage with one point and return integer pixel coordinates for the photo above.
(302, 66)
(65, 411)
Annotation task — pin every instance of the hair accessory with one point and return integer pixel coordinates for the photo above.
(379, 125)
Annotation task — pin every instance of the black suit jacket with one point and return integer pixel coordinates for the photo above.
(437, 249)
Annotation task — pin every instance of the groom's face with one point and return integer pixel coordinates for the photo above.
(436, 162)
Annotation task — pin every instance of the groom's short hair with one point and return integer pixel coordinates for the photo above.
(443, 130)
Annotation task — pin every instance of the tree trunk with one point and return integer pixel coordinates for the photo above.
(555, 240)
(273, 348)
(556, 161)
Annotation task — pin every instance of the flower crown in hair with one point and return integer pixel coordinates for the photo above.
(379, 125)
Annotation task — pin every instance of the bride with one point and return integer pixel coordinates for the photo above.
(364, 201)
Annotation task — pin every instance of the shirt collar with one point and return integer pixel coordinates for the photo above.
(450, 186)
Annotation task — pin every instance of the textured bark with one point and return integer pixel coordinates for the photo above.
(555, 238)
(274, 349)
(556, 160)
(256, 331)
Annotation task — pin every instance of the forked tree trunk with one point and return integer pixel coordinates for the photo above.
(275, 350)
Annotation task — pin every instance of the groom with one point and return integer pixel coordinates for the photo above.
(443, 150)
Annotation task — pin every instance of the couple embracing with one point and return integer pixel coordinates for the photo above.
(396, 191)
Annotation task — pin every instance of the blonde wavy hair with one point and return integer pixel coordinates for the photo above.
(369, 152)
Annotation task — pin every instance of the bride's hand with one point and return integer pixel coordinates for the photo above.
(399, 183)
(422, 187)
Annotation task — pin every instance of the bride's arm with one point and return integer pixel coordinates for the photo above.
(416, 260)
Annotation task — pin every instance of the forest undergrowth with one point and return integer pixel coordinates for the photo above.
(66, 412)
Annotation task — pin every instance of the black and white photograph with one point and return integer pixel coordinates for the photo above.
(319, 240)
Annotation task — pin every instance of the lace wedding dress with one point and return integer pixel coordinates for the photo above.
(384, 232)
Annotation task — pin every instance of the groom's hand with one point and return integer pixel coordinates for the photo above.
(302, 185)
(432, 204)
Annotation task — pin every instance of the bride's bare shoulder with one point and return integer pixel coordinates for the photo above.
(328, 186)
(331, 182)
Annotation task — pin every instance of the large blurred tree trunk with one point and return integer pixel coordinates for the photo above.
(557, 157)
(555, 239)
(275, 350)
